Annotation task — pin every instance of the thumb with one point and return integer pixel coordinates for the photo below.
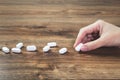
(92, 45)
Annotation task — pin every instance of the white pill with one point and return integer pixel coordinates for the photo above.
(46, 48)
(19, 45)
(5, 49)
(52, 44)
(16, 50)
(62, 50)
(31, 48)
(78, 48)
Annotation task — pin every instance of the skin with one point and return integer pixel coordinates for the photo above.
(97, 35)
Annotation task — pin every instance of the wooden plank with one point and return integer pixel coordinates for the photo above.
(40, 21)
(61, 2)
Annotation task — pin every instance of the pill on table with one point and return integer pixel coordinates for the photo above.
(5, 49)
(16, 50)
(46, 48)
(78, 48)
(31, 48)
(52, 44)
(62, 50)
(19, 45)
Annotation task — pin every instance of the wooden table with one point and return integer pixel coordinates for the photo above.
(40, 21)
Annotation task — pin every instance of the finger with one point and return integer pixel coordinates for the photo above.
(81, 36)
(84, 31)
(89, 35)
(92, 45)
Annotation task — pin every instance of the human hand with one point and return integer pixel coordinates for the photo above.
(97, 35)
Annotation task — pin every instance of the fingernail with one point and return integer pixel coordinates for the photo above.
(84, 48)
(74, 45)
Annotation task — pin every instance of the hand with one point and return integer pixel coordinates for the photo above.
(97, 35)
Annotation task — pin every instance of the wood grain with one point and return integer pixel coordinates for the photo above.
(40, 21)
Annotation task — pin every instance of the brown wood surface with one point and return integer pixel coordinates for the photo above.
(40, 21)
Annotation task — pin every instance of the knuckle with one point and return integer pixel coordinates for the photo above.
(100, 21)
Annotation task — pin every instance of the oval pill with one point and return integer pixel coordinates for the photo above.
(62, 50)
(78, 48)
(16, 50)
(5, 49)
(19, 45)
(52, 44)
(31, 48)
(46, 48)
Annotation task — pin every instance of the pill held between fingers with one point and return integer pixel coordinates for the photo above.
(62, 50)
(5, 49)
(16, 50)
(46, 48)
(52, 44)
(19, 45)
(78, 48)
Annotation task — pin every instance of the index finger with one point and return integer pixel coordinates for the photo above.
(84, 31)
